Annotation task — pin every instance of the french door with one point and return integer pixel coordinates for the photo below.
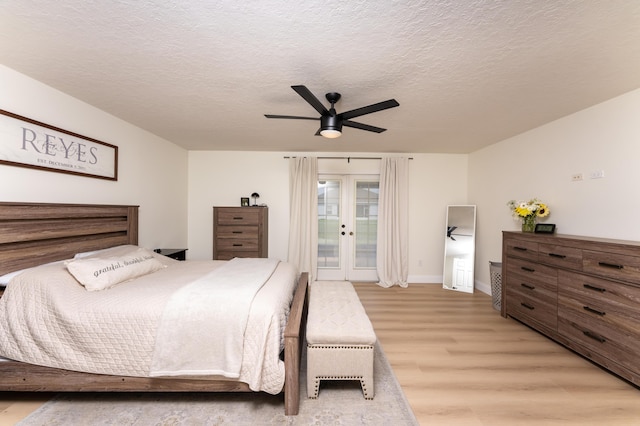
(347, 227)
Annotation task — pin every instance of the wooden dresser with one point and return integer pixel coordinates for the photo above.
(581, 292)
(240, 232)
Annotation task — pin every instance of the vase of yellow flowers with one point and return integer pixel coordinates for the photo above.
(528, 212)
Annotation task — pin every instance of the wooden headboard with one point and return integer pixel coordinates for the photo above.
(35, 233)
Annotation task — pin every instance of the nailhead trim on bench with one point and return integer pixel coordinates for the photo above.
(339, 347)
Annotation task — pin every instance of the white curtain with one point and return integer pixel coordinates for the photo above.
(303, 214)
(392, 252)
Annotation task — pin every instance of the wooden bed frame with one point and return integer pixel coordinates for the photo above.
(35, 233)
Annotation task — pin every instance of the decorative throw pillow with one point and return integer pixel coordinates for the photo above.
(101, 273)
(108, 252)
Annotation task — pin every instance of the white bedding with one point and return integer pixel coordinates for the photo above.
(179, 350)
(49, 319)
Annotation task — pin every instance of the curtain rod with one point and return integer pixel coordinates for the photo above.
(347, 158)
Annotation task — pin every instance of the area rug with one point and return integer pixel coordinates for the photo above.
(339, 403)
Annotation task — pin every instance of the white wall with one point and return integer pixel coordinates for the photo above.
(152, 172)
(540, 163)
(174, 187)
(222, 178)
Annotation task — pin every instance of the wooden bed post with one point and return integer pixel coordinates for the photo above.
(293, 344)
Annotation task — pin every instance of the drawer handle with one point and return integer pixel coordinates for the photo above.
(594, 336)
(593, 311)
(528, 286)
(238, 218)
(524, 268)
(519, 248)
(594, 288)
(236, 232)
(527, 306)
(559, 256)
(610, 265)
(237, 245)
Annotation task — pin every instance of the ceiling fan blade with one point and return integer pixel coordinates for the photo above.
(318, 133)
(391, 103)
(311, 99)
(294, 117)
(362, 126)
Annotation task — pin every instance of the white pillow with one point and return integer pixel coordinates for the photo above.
(101, 273)
(111, 251)
(4, 279)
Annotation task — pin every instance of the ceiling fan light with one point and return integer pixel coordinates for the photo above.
(330, 125)
(330, 133)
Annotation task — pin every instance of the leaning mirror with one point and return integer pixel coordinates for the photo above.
(459, 248)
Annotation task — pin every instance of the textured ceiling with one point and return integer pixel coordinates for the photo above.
(202, 73)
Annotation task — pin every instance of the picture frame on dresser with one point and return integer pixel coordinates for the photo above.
(244, 202)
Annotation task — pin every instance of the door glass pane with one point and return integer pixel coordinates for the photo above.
(328, 224)
(366, 215)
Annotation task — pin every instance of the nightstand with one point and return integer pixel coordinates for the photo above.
(177, 254)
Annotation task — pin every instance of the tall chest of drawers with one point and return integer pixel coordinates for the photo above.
(240, 232)
(581, 292)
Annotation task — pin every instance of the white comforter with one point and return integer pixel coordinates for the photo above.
(48, 319)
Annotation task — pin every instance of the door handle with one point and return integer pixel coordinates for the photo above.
(350, 233)
(343, 233)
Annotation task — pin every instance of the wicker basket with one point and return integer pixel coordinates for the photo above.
(495, 271)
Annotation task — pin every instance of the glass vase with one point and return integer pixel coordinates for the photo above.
(528, 223)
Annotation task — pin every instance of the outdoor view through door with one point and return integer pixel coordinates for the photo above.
(347, 227)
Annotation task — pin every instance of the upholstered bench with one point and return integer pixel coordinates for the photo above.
(340, 337)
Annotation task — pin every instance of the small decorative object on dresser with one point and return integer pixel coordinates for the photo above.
(579, 291)
(545, 228)
(240, 232)
(255, 197)
(244, 202)
(529, 212)
(177, 254)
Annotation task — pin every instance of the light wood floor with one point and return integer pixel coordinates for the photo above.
(460, 363)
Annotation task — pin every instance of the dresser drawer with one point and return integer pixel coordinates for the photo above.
(612, 265)
(237, 245)
(598, 290)
(239, 216)
(531, 290)
(238, 232)
(601, 315)
(561, 256)
(539, 309)
(521, 272)
(623, 351)
(523, 249)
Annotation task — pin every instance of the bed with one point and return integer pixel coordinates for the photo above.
(33, 234)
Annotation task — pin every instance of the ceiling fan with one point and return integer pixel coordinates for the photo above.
(330, 122)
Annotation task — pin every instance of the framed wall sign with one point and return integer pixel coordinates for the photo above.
(28, 143)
